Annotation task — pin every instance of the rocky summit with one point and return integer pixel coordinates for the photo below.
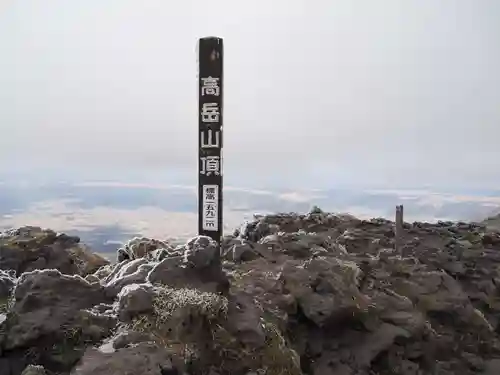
(317, 294)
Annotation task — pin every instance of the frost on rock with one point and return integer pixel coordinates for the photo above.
(34, 370)
(127, 273)
(198, 268)
(141, 247)
(200, 251)
(309, 294)
(7, 283)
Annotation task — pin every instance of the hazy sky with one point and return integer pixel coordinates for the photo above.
(317, 93)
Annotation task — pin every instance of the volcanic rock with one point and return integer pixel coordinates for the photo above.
(31, 248)
(314, 294)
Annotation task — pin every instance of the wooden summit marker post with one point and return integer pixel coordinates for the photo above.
(210, 105)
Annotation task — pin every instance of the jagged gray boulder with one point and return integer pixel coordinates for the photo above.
(325, 288)
(239, 250)
(144, 359)
(7, 282)
(50, 322)
(201, 252)
(30, 248)
(198, 268)
(128, 338)
(127, 273)
(135, 299)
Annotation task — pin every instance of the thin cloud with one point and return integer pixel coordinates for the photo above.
(387, 93)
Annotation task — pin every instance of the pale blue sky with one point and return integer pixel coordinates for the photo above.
(318, 93)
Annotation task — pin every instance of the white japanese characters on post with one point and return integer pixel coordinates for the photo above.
(210, 112)
(210, 86)
(210, 207)
(209, 165)
(210, 137)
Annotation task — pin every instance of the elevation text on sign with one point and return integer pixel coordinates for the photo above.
(210, 207)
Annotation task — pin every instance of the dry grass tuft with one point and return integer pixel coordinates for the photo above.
(274, 358)
(173, 309)
(179, 317)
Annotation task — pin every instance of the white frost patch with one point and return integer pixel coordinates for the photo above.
(131, 287)
(123, 269)
(107, 347)
(52, 272)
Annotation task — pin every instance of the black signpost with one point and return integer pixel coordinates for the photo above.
(210, 104)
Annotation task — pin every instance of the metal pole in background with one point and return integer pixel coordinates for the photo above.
(210, 109)
(398, 228)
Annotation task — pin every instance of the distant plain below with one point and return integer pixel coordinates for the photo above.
(105, 214)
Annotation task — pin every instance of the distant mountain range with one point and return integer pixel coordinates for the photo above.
(104, 214)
